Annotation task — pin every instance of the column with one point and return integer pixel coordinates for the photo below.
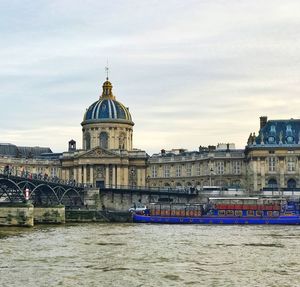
(281, 173)
(125, 174)
(262, 172)
(92, 174)
(63, 174)
(84, 174)
(114, 176)
(254, 176)
(79, 175)
(138, 177)
(75, 174)
(118, 176)
(107, 175)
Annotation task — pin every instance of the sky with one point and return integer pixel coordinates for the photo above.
(191, 72)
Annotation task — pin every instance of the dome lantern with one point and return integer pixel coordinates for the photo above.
(107, 90)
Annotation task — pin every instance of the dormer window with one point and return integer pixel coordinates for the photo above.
(273, 129)
(271, 139)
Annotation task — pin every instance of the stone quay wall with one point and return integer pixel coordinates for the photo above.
(122, 201)
(50, 215)
(17, 215)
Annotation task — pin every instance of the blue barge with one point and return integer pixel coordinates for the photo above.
(247, 210)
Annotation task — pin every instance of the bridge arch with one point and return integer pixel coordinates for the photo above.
(42, 194)
(71, 197)
(12, 190)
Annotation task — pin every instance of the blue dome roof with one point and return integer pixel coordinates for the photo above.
(107, 108)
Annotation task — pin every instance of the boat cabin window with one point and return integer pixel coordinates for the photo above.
(221, 212)
(229, 212)
(258, 213)
(250, 213)
(238, 213)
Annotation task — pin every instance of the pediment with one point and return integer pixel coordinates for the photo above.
(98, 152)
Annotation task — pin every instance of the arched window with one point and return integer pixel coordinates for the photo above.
(87, 141)
(291, 183)
(272, 183)
(103, 138)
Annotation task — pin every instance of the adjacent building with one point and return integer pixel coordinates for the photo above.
(220, 165)
(272, 157)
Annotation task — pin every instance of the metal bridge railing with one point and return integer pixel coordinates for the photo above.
(40, 177)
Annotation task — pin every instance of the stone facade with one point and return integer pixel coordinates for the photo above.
(273, 157)
(213, 166)
(107, 157)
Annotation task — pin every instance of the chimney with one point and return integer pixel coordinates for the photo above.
(263, 121)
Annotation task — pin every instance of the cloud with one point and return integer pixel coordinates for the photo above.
(192, 72)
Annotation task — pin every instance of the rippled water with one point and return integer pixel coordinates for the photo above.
(150, 255)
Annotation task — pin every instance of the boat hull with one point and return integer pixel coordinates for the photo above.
(286, 220)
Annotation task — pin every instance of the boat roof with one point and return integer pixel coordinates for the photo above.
(244, 198)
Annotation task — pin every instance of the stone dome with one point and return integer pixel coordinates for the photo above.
(107, 108)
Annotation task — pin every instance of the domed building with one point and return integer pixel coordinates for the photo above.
(107, 157)
(107, 123)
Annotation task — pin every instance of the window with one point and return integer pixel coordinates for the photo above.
(221, 212)
(220, 167)
(272, 183)
(178, 170)
(198, 169)
(188, 170)
(229, 212)
(238, 213)
(236, 167)
(103, 137)
(258, 213)
(291, 183)
(291, 164)
(272, 164)
(166, 171)
(250, 212)
(154, 171)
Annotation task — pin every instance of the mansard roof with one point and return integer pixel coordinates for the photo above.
(274, 133)
(11, 150)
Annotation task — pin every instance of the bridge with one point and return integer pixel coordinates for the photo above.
(39, 191)
(51, 191)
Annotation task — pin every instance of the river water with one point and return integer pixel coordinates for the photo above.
(150, 255)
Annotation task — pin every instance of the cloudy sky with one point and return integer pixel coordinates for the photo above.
(192, 72)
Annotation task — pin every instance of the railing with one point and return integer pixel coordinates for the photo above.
(40, 177)
(187, 190)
